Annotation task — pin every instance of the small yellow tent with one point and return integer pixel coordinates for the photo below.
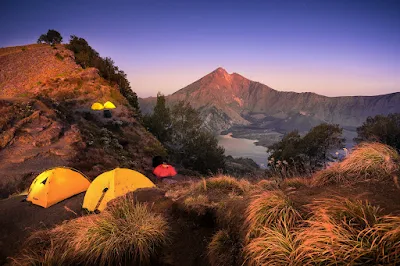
(109, 105)
(55, 185)
(112, 184)
(97, 106)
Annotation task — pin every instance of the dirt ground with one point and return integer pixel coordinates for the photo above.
(19, 219)
(190, 233)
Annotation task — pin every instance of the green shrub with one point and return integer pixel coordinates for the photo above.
(59, 56)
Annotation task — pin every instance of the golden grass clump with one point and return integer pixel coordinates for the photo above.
(198, 203)
(270, 209)
(296, 182)
(268, 184)
(223, 183)
(386, 240)
(271, 222)
(273, 246)
(224, 249)
(347, 232)
(126, 232)
(367, 161)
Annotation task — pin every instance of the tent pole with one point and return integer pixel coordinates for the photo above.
(101, 198)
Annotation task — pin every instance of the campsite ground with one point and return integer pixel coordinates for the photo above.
(20, 218)
(191, 227)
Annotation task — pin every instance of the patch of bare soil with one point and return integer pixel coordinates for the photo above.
(19, 219)
(190, 232)
(24, 67)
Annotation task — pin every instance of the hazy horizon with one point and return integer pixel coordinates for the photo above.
(333, 48)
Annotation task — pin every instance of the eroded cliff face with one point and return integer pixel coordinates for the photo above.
(48, 122)
(227, 99)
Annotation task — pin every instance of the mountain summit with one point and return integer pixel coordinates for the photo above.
(228, 101)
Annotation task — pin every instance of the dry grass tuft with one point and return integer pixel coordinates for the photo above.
(273, 246)
(224, 249)
(271, 220)
(198, 203)
(268, 184)
(296, 182)
(385, 236)
(368, 160)
(348, 232)
(223, 184)
(270, 209)
(126, 232)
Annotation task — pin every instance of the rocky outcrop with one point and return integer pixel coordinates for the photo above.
(50, 123)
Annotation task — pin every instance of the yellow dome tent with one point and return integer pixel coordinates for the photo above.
(55, 185)
(112, 184)
(109, 105)
(97, 106)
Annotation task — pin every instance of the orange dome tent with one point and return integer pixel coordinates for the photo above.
(164, 170)
(55, 185)
(109, 105)
(97, 106)
(112, 184)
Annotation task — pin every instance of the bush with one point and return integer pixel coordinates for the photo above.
(59, 57)
(126, 232)
(384, 129)
(51, 37)
(368, 160)
(295, 155)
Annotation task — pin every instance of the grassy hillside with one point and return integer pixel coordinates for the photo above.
(350, 218)
(45, 100)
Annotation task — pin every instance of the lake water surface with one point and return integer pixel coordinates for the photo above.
(243, 148)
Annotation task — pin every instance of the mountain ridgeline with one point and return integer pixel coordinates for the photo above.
(253, 110)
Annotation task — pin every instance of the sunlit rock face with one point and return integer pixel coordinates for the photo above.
(46, 119)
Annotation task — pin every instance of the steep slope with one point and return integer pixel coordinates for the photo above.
(46, 121)
(230, 99)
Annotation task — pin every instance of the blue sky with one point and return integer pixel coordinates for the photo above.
(333, 48)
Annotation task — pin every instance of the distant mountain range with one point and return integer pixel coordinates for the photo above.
(249, 109)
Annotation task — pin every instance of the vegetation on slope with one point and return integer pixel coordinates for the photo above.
(270, 222)
(51, 37)
(180, 130)
(380, 128)
(47, 120)
(295, 155)
(86, 57)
